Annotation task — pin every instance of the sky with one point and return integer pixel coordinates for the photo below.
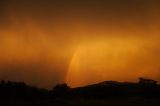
(79, 42)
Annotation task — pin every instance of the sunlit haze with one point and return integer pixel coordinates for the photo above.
(79, 42)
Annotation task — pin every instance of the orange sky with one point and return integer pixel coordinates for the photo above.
(79, 42)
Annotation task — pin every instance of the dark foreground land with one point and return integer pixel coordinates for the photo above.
(83, 102)
(146, 92)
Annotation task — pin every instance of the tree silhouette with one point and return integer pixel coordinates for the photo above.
(147, 81)
(60, 90)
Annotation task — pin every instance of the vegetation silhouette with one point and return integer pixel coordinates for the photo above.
(146, 88)
(20, 90)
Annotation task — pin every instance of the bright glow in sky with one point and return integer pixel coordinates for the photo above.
(47, 42)
(119, 59)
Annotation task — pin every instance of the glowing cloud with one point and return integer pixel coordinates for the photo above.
(120, 59)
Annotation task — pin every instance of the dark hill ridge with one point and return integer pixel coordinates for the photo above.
(111, 89)
(107, 89)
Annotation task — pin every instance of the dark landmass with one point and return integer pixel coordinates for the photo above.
(146, 92)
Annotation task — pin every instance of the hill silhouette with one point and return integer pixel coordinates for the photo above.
(107, 90)
(111, 89)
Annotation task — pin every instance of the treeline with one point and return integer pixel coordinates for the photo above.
(107, 89)
(20, 90)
